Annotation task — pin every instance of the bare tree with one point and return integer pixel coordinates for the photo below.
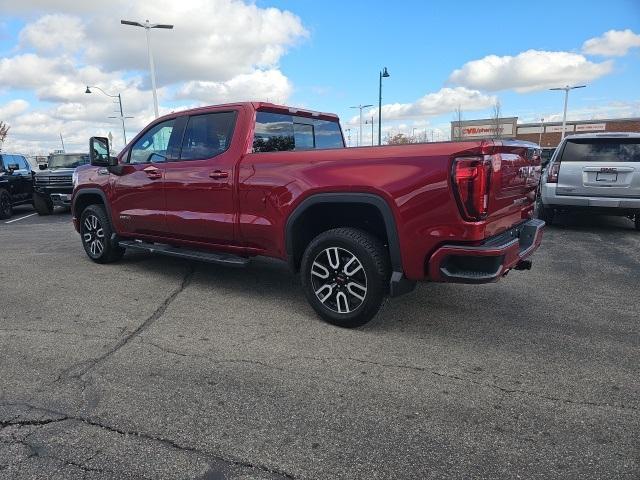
(4, 130)
(457, 117)
(496, 115)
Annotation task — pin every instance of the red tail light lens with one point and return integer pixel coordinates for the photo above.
(554, 169)
(471, 176)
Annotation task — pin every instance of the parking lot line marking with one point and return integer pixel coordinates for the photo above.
(21, 218)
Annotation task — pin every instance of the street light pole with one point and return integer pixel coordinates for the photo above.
(360, 107)
(383, 74)
(566, 89)
(122, 117)
(148, 26)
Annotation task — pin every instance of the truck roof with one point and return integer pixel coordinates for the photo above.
(272, 107)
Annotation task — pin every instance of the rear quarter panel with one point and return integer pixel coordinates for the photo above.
(413, 179)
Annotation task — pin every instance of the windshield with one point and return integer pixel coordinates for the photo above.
(67, 161)
(602, 150)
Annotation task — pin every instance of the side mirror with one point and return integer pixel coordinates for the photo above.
(12, 167)
(99, 152)
(156, 158)
(43, 166)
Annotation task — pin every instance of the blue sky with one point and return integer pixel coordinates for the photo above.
(423, 42)
(324, 55)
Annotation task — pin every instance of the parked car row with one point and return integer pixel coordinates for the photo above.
(45, 189)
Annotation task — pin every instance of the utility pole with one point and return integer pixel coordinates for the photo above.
(566, 89)
(360, 107)
(121, 117)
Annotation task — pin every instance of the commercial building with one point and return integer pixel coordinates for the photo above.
(546, 134)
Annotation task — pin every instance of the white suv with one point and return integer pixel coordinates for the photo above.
(598, 172)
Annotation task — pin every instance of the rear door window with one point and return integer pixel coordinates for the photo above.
(601, 150)
(207, 135)
(273, 133)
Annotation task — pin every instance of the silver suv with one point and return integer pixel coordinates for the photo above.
(597, 172)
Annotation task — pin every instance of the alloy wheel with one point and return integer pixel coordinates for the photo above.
(93, 235)
(339, 280)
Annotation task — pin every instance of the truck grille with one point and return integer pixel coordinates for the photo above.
(60, 180)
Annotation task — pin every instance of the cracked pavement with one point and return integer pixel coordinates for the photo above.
(159, 368)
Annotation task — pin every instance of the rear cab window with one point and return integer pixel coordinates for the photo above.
(278, 132)
(601, 150)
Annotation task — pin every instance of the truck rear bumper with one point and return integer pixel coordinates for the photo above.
(489, 261)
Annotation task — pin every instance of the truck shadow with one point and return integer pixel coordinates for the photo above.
(590, 222)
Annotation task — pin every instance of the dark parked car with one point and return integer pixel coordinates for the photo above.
(54, 184)
(16, 183)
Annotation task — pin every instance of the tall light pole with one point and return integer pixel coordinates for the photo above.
(383, 74)
(148, 26)
(360, 107)
(122, 117)
(566, 89)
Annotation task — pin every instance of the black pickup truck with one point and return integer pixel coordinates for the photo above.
(16, 183)
(54, 181)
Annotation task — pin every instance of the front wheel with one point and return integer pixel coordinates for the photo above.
(95, 231)
(43, 205)
(6, 210)
(345, 274)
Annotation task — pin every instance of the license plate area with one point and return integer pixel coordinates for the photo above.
(606, 177)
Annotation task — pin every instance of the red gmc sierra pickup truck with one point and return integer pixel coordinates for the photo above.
(229, 182)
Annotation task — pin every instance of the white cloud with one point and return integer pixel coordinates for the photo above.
(219, 51)
(614, 43)
(269, 85)
(528, 71)
(444, 101)
(53, 32)
(13, 108)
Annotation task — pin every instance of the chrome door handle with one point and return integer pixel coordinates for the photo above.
(153, 173)
(219, 174)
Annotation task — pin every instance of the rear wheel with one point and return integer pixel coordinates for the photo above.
(42, 204)
(96, 231)
(345, 273)
(6, 210)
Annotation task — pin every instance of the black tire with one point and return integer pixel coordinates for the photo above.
(6, 208)
(95, 234)
(349, 305)
(43, 205)
(543, 213)
(637, 221)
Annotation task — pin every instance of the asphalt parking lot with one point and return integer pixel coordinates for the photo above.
(158, 368)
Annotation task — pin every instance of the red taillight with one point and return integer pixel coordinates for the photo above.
(471, 177)
(554, 169)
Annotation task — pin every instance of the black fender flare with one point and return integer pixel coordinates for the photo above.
(398, 283)
(91, 191)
